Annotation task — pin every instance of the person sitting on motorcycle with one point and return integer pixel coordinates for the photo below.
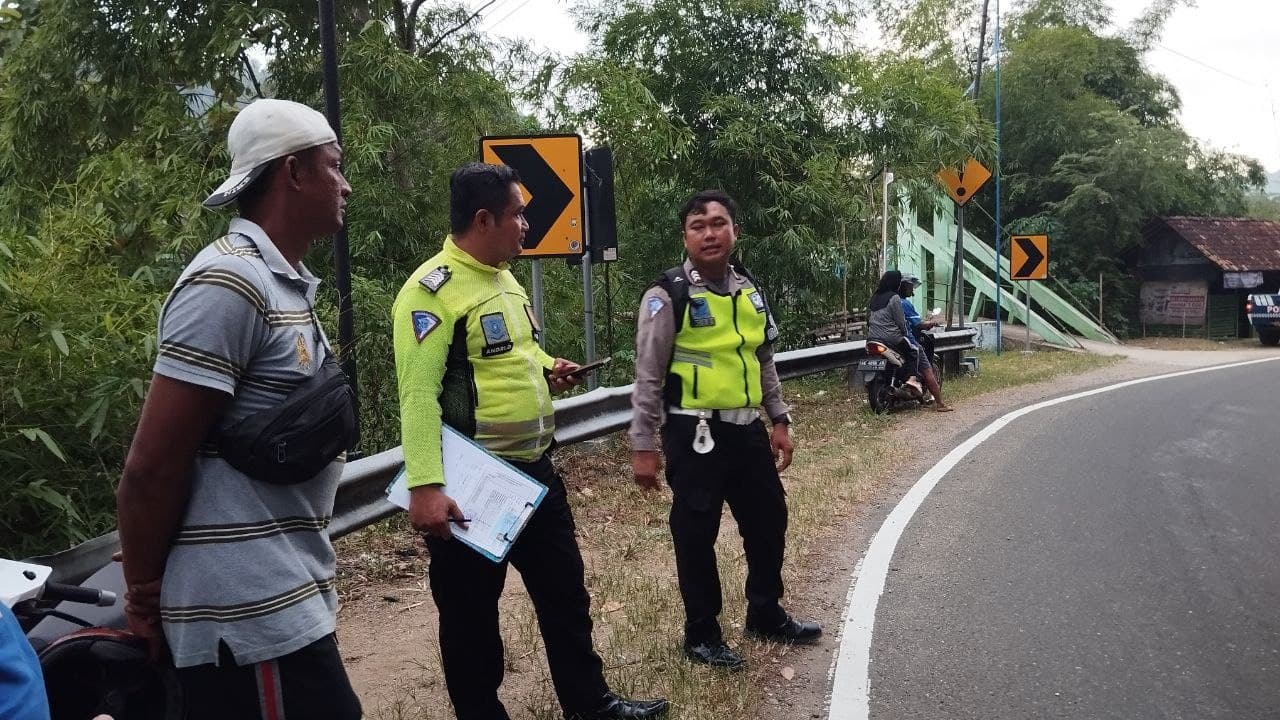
(918, 324)
(922, 339)
(887, 323)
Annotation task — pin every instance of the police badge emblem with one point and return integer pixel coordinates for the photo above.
(757, 300)
(497, 339)
(304, 355)
(423, 323)
(700, 313)
(436, 279)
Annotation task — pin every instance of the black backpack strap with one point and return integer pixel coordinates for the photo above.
(676, 285)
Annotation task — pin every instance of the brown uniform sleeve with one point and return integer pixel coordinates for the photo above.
(655, 340)
(770, 385)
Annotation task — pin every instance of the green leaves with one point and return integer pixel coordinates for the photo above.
(59, 339)
(742, 95)
(46, 439)
(1092, 148)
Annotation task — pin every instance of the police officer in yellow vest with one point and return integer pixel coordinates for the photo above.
(704, 367)
(467, 355)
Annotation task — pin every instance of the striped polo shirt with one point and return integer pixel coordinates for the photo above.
(252, 564)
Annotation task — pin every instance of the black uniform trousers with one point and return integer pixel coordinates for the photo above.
(307, 683)
(466, 587)
(740, 470)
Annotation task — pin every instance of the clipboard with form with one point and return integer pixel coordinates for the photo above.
(496, 497)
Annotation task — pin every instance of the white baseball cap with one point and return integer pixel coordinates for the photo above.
(263, 131)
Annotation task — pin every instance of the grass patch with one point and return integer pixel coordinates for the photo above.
(630, 562)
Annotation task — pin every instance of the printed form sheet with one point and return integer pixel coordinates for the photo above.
(497, 498)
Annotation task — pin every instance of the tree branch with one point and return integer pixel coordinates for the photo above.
(403, 28)
(455, 28)
(413, 9)
(411, 26)
(248, 66)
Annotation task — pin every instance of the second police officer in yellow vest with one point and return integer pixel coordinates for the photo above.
(467, 354)
(704, 367)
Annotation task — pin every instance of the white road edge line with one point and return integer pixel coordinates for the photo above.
(850, 671)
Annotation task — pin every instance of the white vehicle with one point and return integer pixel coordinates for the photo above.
(92, 666)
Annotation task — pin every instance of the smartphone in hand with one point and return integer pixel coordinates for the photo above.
(590, 367)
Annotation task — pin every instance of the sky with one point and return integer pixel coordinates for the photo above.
(1223, 56)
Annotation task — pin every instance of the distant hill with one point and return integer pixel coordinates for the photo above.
(1273, 183)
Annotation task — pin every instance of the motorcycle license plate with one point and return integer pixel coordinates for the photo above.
(871, 364)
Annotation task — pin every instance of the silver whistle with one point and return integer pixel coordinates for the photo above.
(703, 443)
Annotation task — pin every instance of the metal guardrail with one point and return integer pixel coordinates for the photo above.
(361, 500)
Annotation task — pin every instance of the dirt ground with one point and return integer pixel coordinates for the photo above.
(386, 623)
(1195, 344)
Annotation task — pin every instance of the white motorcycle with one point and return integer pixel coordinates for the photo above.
(92, 665)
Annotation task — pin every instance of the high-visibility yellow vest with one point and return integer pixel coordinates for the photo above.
(714, 363)
(466, 352)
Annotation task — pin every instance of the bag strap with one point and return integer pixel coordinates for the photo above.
(676, 285)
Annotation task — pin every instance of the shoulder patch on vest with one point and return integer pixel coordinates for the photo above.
(655, 305)
(423, 323)
(757, 300)
(436, 279)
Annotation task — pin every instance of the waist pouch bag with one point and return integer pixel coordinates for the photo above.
(294, 441)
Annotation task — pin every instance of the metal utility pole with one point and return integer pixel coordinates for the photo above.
(999, 228)
(844, 280)
(957, 284)
(885, 178)
(341, 250)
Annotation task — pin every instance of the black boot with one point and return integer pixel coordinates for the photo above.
(715, 654)
(791, 632)
(612, 707)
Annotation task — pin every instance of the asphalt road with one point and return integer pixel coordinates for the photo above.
(1116, 556)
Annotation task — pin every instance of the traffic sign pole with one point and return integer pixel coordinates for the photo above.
(588, 302)
(961, 185)
(1028, 350)
(1028, 260)
(957, 276)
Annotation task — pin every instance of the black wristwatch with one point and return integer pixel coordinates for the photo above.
(783, 419)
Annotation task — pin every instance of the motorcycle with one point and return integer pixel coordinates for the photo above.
(92, 666)
(884, 374)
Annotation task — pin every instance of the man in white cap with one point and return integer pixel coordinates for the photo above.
(234, 573)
